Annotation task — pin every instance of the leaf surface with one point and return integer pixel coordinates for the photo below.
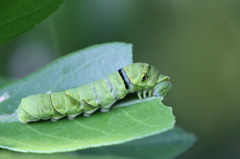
(14, 155)
(128, 120)
(167, 145)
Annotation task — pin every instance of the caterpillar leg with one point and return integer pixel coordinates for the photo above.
(103, 110)
(139, 93)
(145, 93)
(56, 118)
(150, 93)
(72, 116)
(89, 112)
(106, 108)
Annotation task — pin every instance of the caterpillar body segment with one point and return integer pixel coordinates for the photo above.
(101, 94)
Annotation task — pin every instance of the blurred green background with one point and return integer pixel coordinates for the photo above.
(197, 43)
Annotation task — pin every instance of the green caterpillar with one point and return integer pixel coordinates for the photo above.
(137, 77)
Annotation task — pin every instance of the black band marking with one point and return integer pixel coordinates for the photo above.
(120, 71)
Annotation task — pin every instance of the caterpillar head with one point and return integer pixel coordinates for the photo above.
(143, 76)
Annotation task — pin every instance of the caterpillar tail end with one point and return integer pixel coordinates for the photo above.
(23, 116)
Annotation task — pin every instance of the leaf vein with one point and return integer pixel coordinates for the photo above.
(48, 135)
(134, 119)
(14, 141)
(87, 127)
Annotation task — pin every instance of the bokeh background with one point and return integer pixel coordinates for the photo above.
(196, 42)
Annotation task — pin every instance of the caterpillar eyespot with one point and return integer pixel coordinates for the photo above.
(144, 78)
(101, 94)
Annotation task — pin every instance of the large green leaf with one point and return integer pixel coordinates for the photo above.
(18, 16)
(16, 155)
(167, 145)
(130, 120)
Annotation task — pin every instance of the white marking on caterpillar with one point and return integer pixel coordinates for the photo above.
(4, 97)
(95, 94)
(111, 88)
